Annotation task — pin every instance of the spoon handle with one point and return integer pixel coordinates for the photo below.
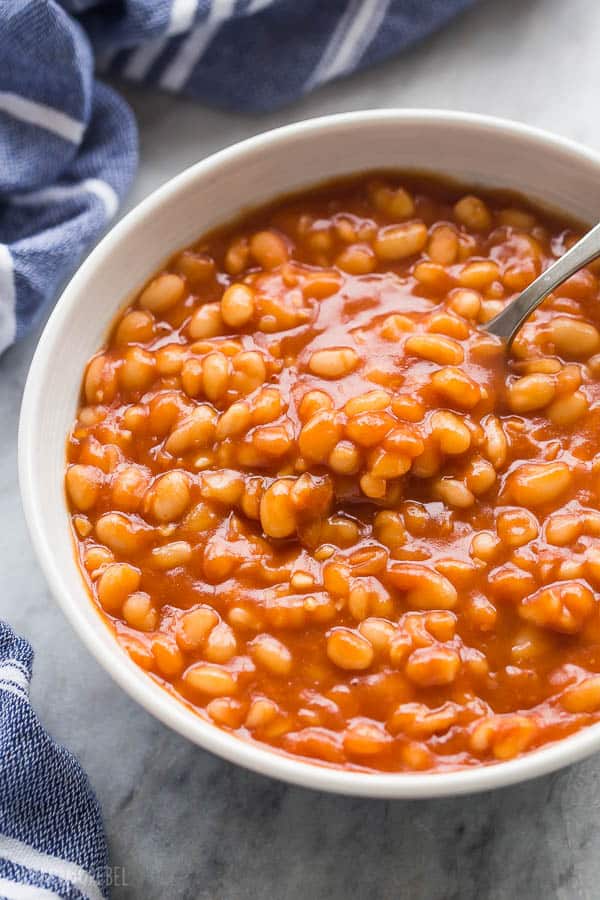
(507, 323)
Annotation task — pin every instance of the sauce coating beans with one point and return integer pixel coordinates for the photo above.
(314, 501)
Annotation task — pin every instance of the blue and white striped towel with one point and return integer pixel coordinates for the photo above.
(68, 153)
(51, 837)
(68, 144)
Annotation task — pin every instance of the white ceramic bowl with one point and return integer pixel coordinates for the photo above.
(475, 149)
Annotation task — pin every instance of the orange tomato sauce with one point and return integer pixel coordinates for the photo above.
(314, 500)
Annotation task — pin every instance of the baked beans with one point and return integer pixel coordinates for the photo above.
(317, 503)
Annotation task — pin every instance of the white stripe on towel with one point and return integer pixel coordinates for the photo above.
(182, 16)
(192, 49)
(14, 673)
(140, 61)
(41, 115)
(180, 20)
(357, 28)
(13, 891)
(102, 189)
(8, 318)
(7, 688)
(24, 855)
(11, 661)
(257, 6)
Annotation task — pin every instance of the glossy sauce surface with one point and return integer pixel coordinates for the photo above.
(321, 506)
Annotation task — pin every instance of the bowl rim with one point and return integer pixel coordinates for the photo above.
(132, 679)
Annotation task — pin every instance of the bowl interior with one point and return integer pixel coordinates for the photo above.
(477, 151)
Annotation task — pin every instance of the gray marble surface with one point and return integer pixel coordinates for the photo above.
(182, 823)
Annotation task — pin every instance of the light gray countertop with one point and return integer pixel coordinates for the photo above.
(184, 824)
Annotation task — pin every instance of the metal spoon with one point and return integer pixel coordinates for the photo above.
(507, 323)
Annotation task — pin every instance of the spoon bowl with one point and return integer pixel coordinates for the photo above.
(507, 323)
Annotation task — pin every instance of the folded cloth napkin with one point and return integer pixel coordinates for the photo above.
(67, 156)
(68, 144)
(51, 837)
